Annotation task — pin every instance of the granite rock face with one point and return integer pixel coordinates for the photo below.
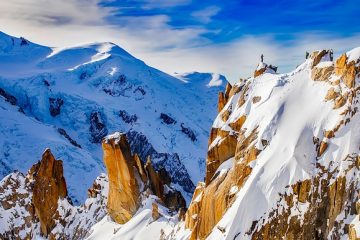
(130, 179)
(49, 187)
(244, 149)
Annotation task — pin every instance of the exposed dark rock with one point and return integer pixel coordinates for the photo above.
(174, 200)
(46, 83)
(164, 176)
(72, 141)
(55, 106)
(117, 87)
(83, 75)
(190, 133)
(23, 42)
(128, 118)
(8, 97)
(167, 119)
(140, 90)
(4, 168)
(97, 128)
(273, 68)
(170, 162)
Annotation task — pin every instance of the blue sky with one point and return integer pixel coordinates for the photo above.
(184, 35)
(231, 19)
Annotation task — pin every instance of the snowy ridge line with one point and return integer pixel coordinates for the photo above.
(119, 93)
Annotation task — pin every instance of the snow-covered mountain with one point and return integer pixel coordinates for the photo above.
(283, 161)
(69, 99)
(283, 156)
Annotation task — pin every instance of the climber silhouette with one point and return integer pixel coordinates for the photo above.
(262, 58)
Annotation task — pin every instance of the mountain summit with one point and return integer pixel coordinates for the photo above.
(282, 159)
(69, 99)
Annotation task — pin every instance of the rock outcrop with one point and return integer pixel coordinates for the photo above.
(263, 68)
(123, 200)
(37, 204)
(49, 187)
(322, 204)
(129, 178)
(347, 70)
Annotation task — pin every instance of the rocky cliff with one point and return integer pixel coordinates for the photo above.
(283, 162)
(129, 179)
(37, 204)
(283, 156)
(79, 95)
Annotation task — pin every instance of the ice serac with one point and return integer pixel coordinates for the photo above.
(283, 156)
(130, 179)
(49, 187)
(123, 199)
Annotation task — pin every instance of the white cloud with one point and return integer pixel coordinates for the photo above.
(152, 39)
(151, 4)
(206, 14)
(239, 58)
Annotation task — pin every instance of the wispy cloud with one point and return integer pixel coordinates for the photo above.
(150, 4)
(162, 34)
(205, 15)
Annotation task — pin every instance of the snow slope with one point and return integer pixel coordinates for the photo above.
(68, 99)
(292, 111)
(291, 116)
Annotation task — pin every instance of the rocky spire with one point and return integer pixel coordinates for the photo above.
(129, 178)
(49, 187)
(123, 199)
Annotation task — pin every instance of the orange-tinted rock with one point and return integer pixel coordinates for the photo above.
(322, 74)
(123, 199)
(211, 201)
(256, 99)
(340, 65)
(221, 101)
(156, 185)
(349, 76)
(191, 215)
(223, 98)
(127, 175)
(259, 71)
(329, 134)
(225, 115)
(227, 91)
(264, 68)
(325, 198)
(317, 56)
(322, 148)
(339, 102)
(238, 123)
(140, 168)
(331, 94)
(234, 90)
(49, 187)
(347, 71)
(155, 212)
(220, 152)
